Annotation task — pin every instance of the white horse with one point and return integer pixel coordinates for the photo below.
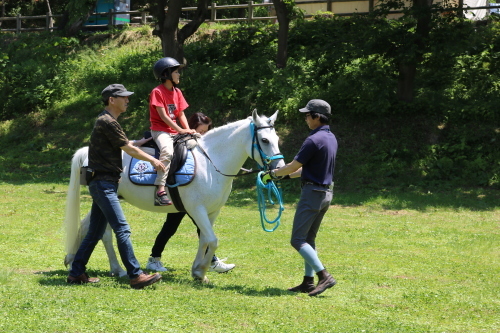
(227, 147)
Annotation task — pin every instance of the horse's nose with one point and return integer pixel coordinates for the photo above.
(276, 164)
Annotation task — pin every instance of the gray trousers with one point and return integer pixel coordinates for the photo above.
(313, 204)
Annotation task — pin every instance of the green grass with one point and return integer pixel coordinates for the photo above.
(405, 262)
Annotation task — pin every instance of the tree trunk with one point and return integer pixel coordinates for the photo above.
(172, 39)
(3, 11)
(283, 27)
(76, 14)
(408, 70)
(406, 81)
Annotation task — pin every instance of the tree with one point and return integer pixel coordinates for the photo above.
(286, 11)
(282, 12)
(407, 69)
(3, 11)
(167, 28)
(419, 19)
(76, 14)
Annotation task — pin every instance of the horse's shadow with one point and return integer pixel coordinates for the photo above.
(58, 278)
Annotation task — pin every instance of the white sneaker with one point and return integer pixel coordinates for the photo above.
(154, 264)
(220, 266)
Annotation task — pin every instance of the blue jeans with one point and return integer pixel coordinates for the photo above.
(106, 209)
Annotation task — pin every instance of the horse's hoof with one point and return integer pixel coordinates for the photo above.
(118, 274)
(200, 280)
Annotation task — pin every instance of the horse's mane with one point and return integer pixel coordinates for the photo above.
(218, 130)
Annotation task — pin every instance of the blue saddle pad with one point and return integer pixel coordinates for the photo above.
(143, 173)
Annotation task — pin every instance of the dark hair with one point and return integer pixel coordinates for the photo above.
(323, 118)
(167, 74)
(198, 119)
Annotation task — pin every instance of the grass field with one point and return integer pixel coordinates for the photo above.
(405, 262)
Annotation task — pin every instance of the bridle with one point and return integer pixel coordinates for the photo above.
(273, 190)
(266, 160)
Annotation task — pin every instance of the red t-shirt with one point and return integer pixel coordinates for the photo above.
(173, 102)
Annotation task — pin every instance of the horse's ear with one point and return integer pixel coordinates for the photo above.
(255, 117)
(272, 119)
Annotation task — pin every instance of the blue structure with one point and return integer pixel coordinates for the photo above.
(103, 6)
(495, 9)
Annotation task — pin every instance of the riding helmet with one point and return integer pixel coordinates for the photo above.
(164, 67)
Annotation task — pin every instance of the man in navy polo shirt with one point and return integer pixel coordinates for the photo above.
(314, 163)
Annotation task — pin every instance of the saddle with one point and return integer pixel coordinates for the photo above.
(181, 172)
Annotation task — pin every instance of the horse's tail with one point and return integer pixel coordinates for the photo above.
(72, 217)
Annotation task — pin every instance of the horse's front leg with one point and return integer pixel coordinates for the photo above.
(206, 248)
(114, 265)
(203, 260)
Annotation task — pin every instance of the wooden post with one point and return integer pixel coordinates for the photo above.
(329, 5)
(49, 23)
(18, 24)
(143, 18)
(111, 18)
(213, 12)
(250, 11)
(371, 5)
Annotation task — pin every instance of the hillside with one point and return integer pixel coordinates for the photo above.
(50, 86)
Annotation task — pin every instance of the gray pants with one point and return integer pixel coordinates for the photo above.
(313, 204)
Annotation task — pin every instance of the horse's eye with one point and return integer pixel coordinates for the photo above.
(265, 140)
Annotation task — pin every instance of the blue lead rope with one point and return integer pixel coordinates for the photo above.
(273, 191)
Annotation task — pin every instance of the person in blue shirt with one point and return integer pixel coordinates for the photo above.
(315, 164)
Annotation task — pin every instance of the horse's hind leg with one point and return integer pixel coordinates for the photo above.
(82, 231)
(107, 240)
(114, 266)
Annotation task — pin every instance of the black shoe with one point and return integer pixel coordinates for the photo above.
(161, 199)
(325, 281)
(306, 286)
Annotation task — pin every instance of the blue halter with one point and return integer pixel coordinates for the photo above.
(266, 160)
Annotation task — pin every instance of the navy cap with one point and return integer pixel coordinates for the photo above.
(317, 105)
(115, 90)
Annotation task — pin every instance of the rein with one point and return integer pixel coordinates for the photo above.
(266, 160)
(272, 191)
(247, 172)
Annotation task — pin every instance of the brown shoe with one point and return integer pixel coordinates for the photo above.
(84, 278)
(306, 286)
(325, 281)
(144, 280)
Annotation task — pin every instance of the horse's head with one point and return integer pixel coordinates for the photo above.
(265, 149)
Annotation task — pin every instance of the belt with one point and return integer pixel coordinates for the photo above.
(315, 184)
(106, 173)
